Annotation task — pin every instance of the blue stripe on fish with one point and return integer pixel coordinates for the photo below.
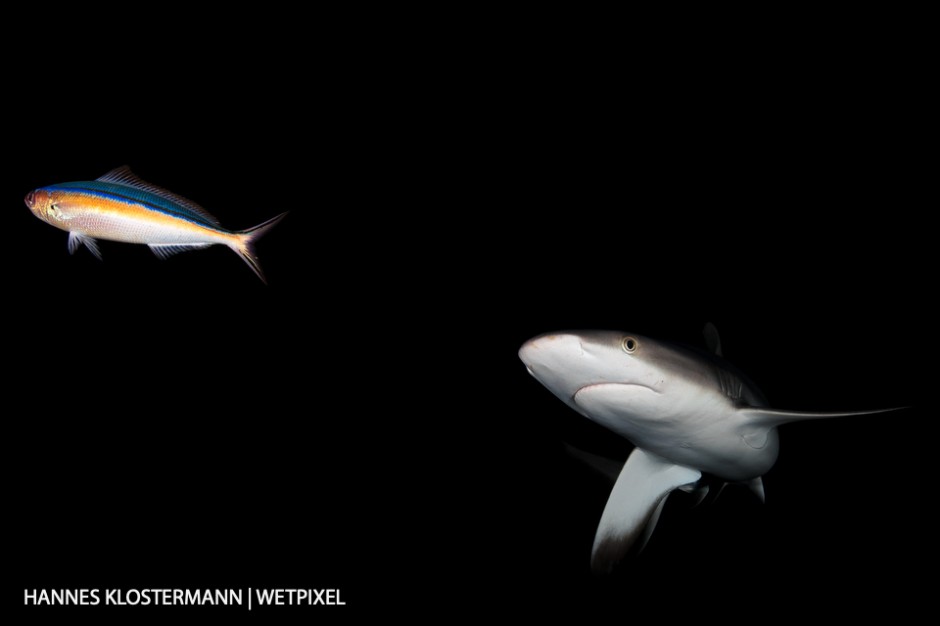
(132, 195)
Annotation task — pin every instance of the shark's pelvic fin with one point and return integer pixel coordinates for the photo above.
(634, 504)
(756, 485)
(698, 491)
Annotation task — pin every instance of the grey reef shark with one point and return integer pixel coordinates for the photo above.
(687, 412)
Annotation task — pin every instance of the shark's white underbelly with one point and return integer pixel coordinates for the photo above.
(704, 431)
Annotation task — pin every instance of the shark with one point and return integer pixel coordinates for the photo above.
(691, 415)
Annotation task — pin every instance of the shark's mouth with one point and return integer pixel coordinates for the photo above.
(598, 386)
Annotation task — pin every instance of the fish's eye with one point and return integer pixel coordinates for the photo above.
(629, 345)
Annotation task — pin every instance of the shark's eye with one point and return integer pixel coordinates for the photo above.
(629, 345)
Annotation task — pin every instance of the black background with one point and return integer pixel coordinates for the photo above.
(363, 421)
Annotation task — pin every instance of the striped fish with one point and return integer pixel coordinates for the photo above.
(119, 206)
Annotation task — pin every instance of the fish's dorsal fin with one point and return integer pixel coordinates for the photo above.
(124, 176)
(712, 340)
(634, 505)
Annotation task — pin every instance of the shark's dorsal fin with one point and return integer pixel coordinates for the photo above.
(634, 504)
(712, 340)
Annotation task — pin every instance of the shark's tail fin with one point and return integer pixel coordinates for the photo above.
(775, 417)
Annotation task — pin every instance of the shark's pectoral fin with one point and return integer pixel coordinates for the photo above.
(635, 504)
(605, 466)
(764, 417)
(651, 525)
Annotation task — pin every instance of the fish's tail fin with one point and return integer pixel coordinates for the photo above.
(245, 240)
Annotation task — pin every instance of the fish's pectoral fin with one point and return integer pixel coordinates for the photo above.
(634, 505)
(77, 240)
(166, 250)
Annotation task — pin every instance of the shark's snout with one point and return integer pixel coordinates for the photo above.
(563, 362)
(547, 349)
(525, 354)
